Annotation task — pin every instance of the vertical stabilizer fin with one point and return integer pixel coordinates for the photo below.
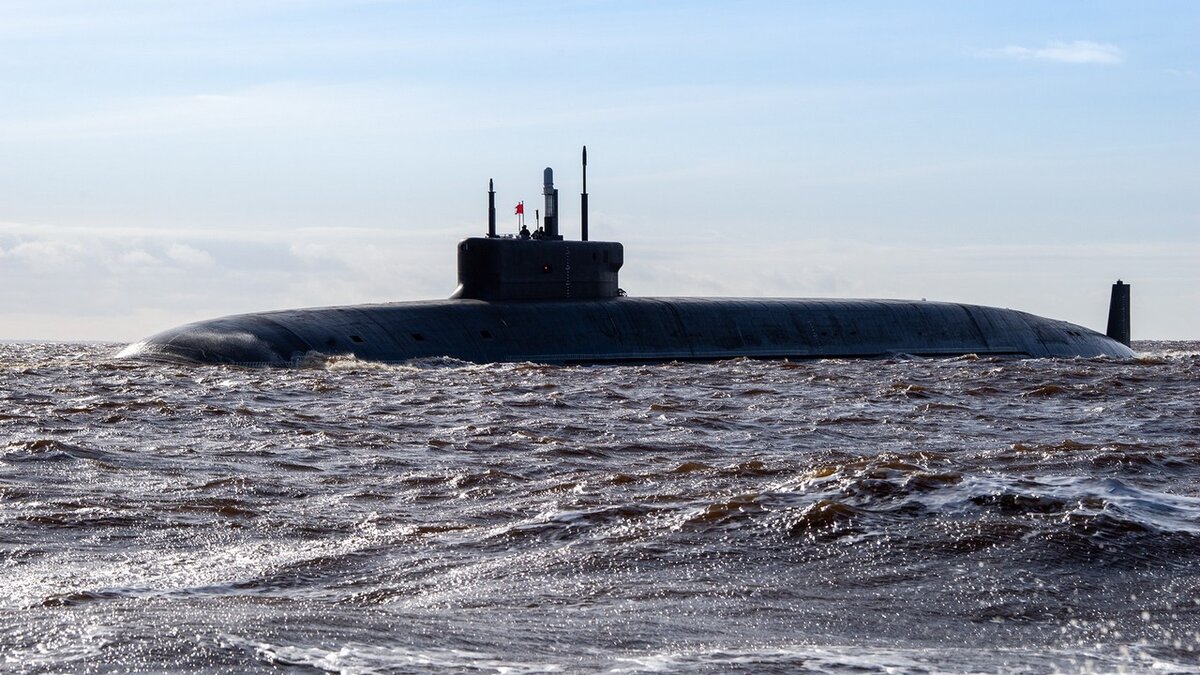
(1118, 313)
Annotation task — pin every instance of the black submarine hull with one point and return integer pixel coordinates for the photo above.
(624, 330)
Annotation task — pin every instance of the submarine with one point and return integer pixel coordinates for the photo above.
(538, 297)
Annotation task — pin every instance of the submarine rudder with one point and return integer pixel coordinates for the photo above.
(1118, 314)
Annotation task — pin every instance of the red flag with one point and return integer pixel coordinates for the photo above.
(520, 208)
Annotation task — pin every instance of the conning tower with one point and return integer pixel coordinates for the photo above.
(542, 265)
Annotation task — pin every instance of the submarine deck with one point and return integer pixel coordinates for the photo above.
(622, 330)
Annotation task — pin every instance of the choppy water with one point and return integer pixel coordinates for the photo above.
(829, 516)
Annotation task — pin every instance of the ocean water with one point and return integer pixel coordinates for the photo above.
(906, 515)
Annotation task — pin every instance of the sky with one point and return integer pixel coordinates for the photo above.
(170, 161)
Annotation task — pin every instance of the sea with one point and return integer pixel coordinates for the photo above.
(907, 515)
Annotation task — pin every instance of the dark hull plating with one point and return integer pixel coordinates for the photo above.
(624, 330)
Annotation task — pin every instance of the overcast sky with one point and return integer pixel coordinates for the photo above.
(170, 161)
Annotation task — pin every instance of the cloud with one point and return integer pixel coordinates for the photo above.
(309, 251)
(163, 115)
(48, 253)
(189, 256)
(1077, 51)
(137, 258)
(70, 282)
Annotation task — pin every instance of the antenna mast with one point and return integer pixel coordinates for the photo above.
(491, 209)
(583, 205)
